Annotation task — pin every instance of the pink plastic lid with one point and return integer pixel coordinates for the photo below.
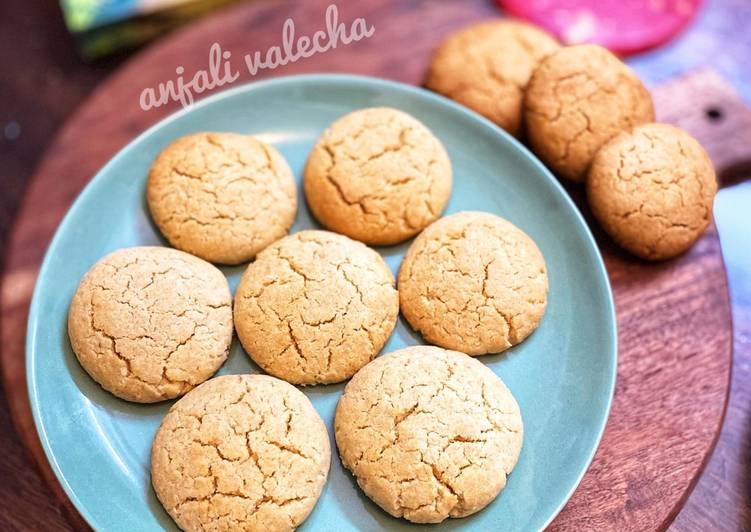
(623, 26)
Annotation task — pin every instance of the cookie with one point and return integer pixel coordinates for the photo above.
(377, 175)
(473, 282)
(486, 66)
(578, 99)
(150, 323)
(652, 190)
(315, 307)
(240, 452)
(428, 433)
(221, 196)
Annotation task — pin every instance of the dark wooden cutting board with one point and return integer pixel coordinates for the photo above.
(673, 317)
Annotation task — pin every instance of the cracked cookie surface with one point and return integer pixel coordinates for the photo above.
(578, 99)
(240, 452)
(473, 282)
(652, 190)
(428, 433)
(377, 175)
(315, 307)
(486, 66)
(221, 196)
(150, 323)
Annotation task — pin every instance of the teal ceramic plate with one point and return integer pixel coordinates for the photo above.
(563, 376)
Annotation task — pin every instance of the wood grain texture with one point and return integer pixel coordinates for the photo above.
(674, 322)
(722, 497)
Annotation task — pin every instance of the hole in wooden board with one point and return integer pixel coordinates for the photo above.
(714, 114)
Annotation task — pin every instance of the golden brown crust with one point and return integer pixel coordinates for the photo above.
(473, 282)
(652, 190)
(428, 433)
(221, 196)
(377, 175)
(240, 452)
(577, 99)
(150, 323)
(486, 66)
(315, 307)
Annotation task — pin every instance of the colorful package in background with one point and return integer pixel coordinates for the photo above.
(104, 27)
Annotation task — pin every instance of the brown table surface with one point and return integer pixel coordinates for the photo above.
(48, 81)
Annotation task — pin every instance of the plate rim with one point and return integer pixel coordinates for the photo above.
(334, 78)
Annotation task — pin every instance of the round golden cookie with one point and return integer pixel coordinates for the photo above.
(486, 66)
(150, 323)
(473, 282)
(221, 196)
(377, 175)
(315, 307)
(428, 433)
(652, 190)
(577, 99)
(240, 452)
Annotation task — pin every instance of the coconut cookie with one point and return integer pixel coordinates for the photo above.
(315, 307)
(652, 190)
(150, 323)
(577, 99)
(428, 433)
(377, 175)
(240, 452)
(221, 196)
(486, 66)
(473, 282)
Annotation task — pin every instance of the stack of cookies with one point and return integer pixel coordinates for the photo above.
(427, 431)
(590, 119)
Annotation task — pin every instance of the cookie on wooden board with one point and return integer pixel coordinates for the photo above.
(486, 66)
(578, 98)
(652, 189)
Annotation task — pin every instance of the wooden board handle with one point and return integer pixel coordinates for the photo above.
(705, 105)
